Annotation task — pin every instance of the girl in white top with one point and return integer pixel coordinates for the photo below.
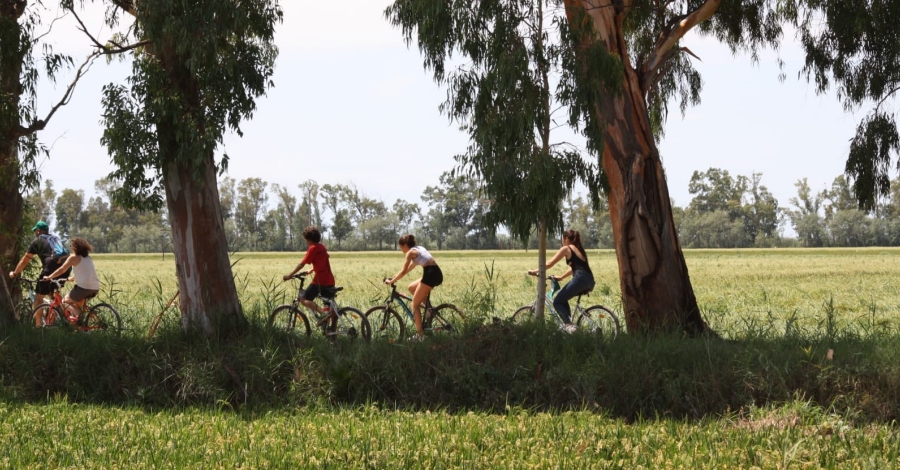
(431, 277)
(87, 284)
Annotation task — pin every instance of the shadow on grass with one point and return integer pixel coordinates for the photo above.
(486, 368)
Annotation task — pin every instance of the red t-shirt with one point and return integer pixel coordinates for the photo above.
(317, 256)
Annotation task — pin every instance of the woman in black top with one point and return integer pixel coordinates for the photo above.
(582, 277)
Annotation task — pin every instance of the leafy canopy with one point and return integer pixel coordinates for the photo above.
(206, 63)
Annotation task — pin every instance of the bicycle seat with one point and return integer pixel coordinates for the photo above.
(586, 292)
(329, 292)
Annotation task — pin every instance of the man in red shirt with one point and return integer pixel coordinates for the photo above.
(317, 256)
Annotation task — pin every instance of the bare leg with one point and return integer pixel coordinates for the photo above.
(38, 317)
(313, 305)
(420, 293)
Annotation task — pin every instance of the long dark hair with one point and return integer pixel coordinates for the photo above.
(575, 237)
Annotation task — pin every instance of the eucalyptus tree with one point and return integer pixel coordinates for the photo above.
(854, 46)
(198, 68)
(504, 96)
(630, 63)
(24, 59)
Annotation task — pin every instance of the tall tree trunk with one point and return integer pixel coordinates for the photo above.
(11, 210)
(11, 202)
(208, 296)
(542, 270)
(656, 290)
(208, 300)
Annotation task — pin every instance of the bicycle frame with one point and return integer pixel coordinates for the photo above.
(320, 320)
(548, 304)
(406, 308)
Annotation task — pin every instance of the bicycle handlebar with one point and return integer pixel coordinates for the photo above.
(394, 289)
(550, 277)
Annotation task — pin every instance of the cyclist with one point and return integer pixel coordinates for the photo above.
(41, 247)
(431, 277)
(317, 255)
(582, 277)
(87, 284)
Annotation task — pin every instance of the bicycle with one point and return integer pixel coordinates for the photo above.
(101, 316)
(596, 319)
(26, 302)
(338, 322)
(445, 318)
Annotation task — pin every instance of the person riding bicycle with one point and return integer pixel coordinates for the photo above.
(582, 277)
(317, 255)
(87, 283)
(41, 247)
(431, 277)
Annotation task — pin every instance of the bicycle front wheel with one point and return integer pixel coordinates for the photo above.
(51, 315)
(599, 320)
(351, 323)
(385, 323)
(102, 317)
(289, 318)
(523, 315)
(447, 319)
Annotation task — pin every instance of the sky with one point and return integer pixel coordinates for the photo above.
(352, 104)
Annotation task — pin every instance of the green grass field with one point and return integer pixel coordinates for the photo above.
(740, 291)
(782, 308)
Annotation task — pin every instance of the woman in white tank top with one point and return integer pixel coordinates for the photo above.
(87, 283)
(431, 277)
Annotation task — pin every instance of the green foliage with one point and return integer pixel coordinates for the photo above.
(207, 63)
(854, 45)
(503, 98)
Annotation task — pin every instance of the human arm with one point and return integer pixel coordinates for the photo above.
(72, 260)
(410, 256)
(298, 268)
(555, 259)
(21, 266)
(563, 275)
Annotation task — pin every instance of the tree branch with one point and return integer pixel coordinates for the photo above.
(40, 124)
(105, 49)
(666, 43)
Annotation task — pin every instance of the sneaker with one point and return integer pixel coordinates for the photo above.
(417, 338)
(568, 328)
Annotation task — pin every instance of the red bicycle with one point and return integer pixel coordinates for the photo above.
(102, 316)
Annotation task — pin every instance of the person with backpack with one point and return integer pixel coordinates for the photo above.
(52, 254)
(87, 283)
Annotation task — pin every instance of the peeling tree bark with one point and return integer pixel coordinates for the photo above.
(656, 288)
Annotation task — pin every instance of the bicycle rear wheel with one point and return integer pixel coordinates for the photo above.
(52, 316)
(386, 323)
(289, 318)
(351, 323)
(447, 319)
(101, 317)
(599, 320)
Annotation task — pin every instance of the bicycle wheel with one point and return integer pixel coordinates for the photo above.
(523, 314)
(289, 318)
(351, 323)
(447, 319)
(51, 316)
(386, 323)
(102, 317)
(599, 320)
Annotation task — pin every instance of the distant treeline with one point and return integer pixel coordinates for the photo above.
(725, 212)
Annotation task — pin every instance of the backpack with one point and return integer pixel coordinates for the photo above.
(59, 250)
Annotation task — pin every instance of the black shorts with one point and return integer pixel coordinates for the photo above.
(313, 291)
(432, 276)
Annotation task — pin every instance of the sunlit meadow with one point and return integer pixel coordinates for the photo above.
(743, 294)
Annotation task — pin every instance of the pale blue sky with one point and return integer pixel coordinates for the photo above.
(354, 105)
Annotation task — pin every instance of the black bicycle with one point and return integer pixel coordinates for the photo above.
(346, 322)
(389, 324)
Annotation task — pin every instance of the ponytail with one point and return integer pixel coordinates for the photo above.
(575, 237)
